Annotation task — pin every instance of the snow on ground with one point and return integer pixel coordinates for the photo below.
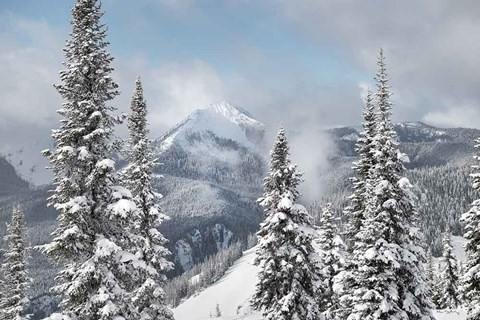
(451, 315)
(231, 293)
(458, 250)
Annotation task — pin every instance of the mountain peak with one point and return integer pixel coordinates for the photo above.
(223, 119)
(231, 112)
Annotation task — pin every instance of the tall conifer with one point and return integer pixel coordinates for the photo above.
(448, 285)
(388, 280)
(288, 284)
(15, 300)
(471, 278)
(92, 236)
(148, 245)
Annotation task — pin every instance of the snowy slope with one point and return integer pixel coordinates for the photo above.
(451, 315)
(233, 291)
(458, 244)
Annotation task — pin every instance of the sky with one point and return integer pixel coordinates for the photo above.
(303, 63)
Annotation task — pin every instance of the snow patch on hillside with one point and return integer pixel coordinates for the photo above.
(458, 314)
(232, 294)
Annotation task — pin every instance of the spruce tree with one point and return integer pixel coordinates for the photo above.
(361, 168)
(92, 236)
(432, 279)
(355, 212)
(288, 284)
(471, 278)
(388, 281)
(148, 245)
(331, 249)
(15, 285)
(448, 284)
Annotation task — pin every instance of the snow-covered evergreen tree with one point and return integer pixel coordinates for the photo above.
(355, 211)
(430, 272)
(148, 244)
(362, 167)
(448, 284)
(288, 284)
(432, 279)
(388, 280)
(332, 260)
(14, 270)
(92, 237)
(471, 278)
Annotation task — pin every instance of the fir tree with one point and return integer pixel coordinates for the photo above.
(362, 167)
(94, 211)
(448, 284)
(288, 283)
(388, 280)
(14, 270)
(148, 245)
(471, 278)
(332, 261)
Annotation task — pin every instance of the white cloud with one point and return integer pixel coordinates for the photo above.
(463, 116)
(172, 90)
(432, 46)
(30, 56)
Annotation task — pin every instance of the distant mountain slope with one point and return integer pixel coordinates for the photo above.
(10, 181)
(213, 169)
(28, 161)
(439, 165)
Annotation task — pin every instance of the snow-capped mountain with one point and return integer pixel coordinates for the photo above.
(214, 144)
(222, 119)
(213, 166)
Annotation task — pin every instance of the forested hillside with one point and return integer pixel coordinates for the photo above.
(439, 165)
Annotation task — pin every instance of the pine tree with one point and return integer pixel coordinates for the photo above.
(388, 281)
(148, 295)
(331, 253)
(288, 283)
(362, 167)
(92, 236)
(448, 284)
(14, 270)
(471, 278)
